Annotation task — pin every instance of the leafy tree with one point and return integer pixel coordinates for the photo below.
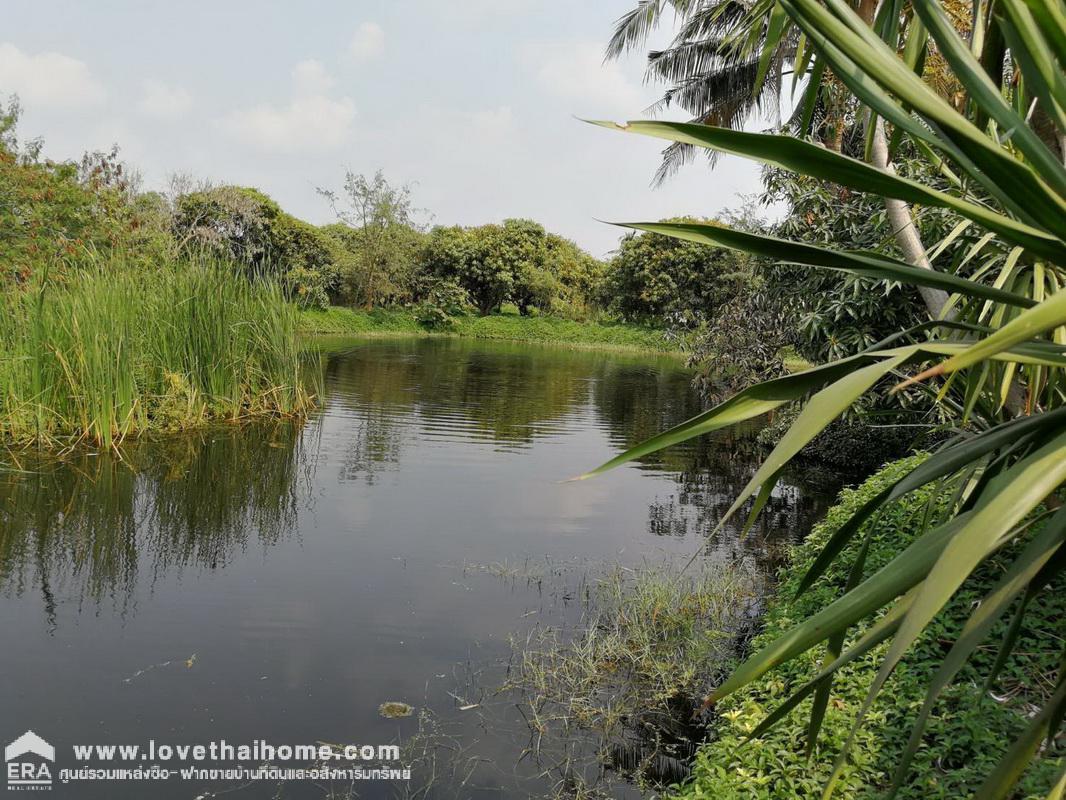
(469, 256)
(578, 278)
(517, 250)
(716, 68)
(247, 226)
(443, 300)
(381, 237)
(50, 210)
(832, 314)
(307, 257)
(234, 221)
(516, 262)
(661, 278)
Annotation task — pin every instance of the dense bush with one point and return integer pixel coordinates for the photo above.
(377, 240)
(854, 445)
(834, 314)
(49, 211)
(654, 277)
(247, 226)
(366, 280)
(970, 728)
(443, 300)
(376, 254)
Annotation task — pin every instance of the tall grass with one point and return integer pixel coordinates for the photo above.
(104, 351)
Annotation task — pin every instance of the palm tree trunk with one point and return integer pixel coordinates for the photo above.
(903, 228)
(899, 212)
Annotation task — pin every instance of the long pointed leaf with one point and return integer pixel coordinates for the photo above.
(874, 635)
(1001, 781)
(946, 462)
(869, 265)
(902, 573)
(748, 404)
(1014, 581)
(987, 95)
(1049, 314)
(1017, 491)
(809, 159)
(820, 410)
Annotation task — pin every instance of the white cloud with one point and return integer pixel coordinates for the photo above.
(576, 72)
(48, 79)
(311, 78)
(312, 122)
(163, 101)
(492, 122)
(368, 42)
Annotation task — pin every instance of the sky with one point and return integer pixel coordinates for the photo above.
(472, 102)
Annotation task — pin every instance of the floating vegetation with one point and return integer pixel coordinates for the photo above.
(619, 694)
(393, 709)
(189, 663)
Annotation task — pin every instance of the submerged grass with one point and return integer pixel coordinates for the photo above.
(620, 694)
(543, 329)
(108, 351)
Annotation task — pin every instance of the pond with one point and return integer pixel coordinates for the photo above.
(280, 582)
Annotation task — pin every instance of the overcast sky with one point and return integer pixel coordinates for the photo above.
(473, 101)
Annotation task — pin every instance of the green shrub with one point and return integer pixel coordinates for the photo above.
(247, 226)
(970, 728)
(378, 238)
(443, 301)
(50, 210)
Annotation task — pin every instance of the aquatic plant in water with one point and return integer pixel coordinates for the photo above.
(110, 350)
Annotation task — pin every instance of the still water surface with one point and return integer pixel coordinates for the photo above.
(280, 582)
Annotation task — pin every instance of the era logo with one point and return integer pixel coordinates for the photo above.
(23, 773)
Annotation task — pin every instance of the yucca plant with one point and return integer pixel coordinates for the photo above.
(993, 354)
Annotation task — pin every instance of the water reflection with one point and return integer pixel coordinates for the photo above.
(92, 524)
(413, 524)
(504, 393)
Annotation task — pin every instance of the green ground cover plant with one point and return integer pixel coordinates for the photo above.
(969, 727)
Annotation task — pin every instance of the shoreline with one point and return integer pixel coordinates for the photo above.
(387, 323)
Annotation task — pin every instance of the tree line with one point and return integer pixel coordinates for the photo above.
(377, 252)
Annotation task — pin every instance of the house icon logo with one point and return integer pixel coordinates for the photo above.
(26, 761)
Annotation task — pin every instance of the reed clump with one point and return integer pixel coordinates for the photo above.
(620, 694)
(105, 349)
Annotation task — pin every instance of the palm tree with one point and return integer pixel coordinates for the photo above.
(729, 59)
(714, 68)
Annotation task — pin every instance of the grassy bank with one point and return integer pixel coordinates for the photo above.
(969, 729)
(110, 351)
(545, 330)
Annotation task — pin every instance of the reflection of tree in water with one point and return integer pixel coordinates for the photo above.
(504, 393)
(710, 473)
(637, 402)
(88, 525)
(512, 394)
(501, 392)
